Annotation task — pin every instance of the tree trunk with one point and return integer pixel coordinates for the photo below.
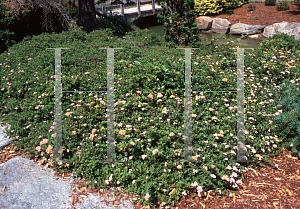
(87, 15)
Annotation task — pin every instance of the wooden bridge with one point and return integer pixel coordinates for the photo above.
(147, 8)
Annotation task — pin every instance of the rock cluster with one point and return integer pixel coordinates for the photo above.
(219, 25)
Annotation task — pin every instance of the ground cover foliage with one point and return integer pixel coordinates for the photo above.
(149, 98)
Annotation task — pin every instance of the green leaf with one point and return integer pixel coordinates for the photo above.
(164, 68)
(153, 66)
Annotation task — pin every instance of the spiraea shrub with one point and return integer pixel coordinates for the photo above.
(283, 40)
(149, 110)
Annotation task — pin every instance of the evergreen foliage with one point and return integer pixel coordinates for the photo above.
(119, 29)
(12, 27)
(229, 11)
(180, 23)
(71, 8)
(208, 7)
(283, 6)
(18, 20)
(288, 122)
(5, 33)
(270, 2)
(235, 3)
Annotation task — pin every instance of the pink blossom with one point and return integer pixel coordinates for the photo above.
(147, 197)
(199, 189)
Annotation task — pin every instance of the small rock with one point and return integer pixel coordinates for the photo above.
(255, 36)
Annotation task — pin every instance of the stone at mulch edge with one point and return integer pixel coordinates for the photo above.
(271, 30)
(241, 28)
(25, 184)
(219, 25)
(283, 27)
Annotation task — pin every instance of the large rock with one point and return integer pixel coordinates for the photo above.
(26, 184)
(204, 23)
(220, 25)
(241, 28)
(270, 30)
(283, 27)
(4, 141)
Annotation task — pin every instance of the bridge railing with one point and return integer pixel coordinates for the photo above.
(138, 5)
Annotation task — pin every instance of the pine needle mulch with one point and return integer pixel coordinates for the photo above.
(264, 187)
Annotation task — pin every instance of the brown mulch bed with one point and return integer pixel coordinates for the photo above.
(262, 14)
(265, 187)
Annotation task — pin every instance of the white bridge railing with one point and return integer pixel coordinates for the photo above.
(138, 5)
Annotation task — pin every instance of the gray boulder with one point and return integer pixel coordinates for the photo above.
(283, 27)
(204, 23)
(220, 25)
(297, 37)
(270, 30)
(4, 141)
(27, 185)
(241, 28)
